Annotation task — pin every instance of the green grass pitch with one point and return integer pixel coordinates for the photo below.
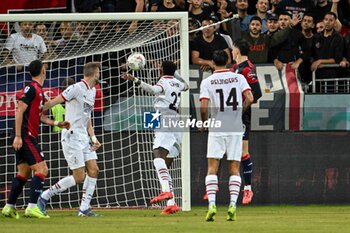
(250, 219)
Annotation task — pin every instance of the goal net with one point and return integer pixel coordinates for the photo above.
(127, 176)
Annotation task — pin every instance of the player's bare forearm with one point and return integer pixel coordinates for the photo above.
(48, 121)
(49, 104)
(249, 99)
(22, 107)
(90, 129)
(204, 110)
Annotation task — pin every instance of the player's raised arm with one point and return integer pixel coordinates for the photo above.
(178, 77)
(155, 89)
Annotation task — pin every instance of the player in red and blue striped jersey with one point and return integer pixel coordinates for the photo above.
(25, 142)
(247, 69)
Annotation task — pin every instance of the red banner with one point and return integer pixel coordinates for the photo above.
(7, 5)
(8, 100)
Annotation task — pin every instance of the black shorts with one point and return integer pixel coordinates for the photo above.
(30, 151)
(246, 118)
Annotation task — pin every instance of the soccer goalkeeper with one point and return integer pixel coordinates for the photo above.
(167, 142)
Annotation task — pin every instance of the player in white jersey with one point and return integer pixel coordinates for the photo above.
(25, 46)
(78, 152)
(167, 142)
(224, 91)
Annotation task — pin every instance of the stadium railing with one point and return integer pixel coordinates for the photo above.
(330, 85)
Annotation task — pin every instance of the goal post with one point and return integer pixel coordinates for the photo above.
(127, 177)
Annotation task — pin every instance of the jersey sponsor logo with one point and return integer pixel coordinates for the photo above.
(26, 89)
(151, 120)
(28, 47)
(88, 108)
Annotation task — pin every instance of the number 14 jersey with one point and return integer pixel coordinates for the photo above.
(224, 89)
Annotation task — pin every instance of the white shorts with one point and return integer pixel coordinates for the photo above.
(230, 145)
(76, 151)
(170, 141)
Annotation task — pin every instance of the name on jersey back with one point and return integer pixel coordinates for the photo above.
(224, 81)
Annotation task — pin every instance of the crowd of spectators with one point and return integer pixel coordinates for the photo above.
(305, 33)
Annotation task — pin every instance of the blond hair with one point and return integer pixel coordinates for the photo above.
(90, 68)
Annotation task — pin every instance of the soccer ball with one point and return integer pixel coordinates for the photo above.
(136, 61)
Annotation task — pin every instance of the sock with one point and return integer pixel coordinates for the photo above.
(163, 173)
(36, 187)
(88, 189)
(234, 186)
(247, 166)
(248, 187)
(171, 201)
(59, 187)
(18, 183)
(211, 184)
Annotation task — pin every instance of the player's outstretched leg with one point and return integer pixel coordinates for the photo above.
(10, 212)
(42, 204)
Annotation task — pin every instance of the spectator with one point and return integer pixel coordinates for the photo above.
(242, 11)
(261, 10)
(327, 48)
(165, 6)
(260, 43)
(192, 25)
(320, 26)
(292, 49)
(272, 24)
(24, 46)
(227, 38)
(272, 27)
(274, 4)
(68, 40)
(307, 25)
(41, 30)
(198, 11)
(324, 6)
(205, 44)
(241, 24)
(86, 33)
(294, 7)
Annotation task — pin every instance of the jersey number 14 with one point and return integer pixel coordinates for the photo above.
(230, 101)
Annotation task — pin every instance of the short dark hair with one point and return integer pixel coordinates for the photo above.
(255, 17)
(35, 68)
(89, 68)
(332, 13)
(286, 13)
(168, 68)
(220, 57)
(243, 46)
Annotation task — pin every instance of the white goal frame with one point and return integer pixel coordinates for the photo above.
(184, 53)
